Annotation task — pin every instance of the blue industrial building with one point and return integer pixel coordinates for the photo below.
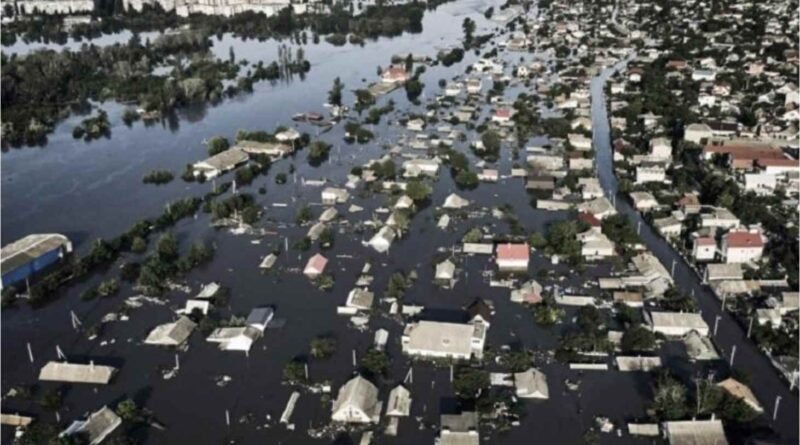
(34, 253)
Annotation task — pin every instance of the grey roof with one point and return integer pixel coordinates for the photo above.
(259, 317)
(399, 402)
(695, 432)
(97, 427)
(29, 248)
(224, 160)
(171, 334)
(460, 423)
(360, 394)
(76, 373)
(531, 384)
(699, 347)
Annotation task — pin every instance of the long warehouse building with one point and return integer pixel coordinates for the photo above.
(34, 253)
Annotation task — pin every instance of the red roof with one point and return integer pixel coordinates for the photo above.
(503, 112)
(513, 252)
(744, 239)
(785, 162)
(316, 263)
(589, 219)
(705, 241)
(395, 72)
(745, 151)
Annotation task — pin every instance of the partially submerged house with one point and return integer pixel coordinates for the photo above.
(676, 324)
(399, 404)
(315, 266)
(357, 402)
(531, 384)
(171, 334)
(454, 201)
(435, 339)
(220, 163)
(742, 392)
(695, 432)
(238, 338)
(459, 429)
(513, 257)
(96, 427)
(77, 373)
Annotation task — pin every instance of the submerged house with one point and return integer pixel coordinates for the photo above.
(171, 334)
(25, 257)
(513, 257)
(399, 402)
(459, 429)
(76, 373)
(239, 338)
(315, 266)
(531, 384)
(433, 339)
(96, 427)
(357, 402)
(220, 163)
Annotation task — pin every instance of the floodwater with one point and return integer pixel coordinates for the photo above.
(89, 190)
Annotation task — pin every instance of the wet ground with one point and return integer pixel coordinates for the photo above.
(95, 190)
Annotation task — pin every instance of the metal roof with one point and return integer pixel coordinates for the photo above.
(27, 249)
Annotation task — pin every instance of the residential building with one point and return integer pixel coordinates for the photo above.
(315, 266)
(513, 257)
(459, 429)
(741, 246)
(704, 248)
(357, 402)
(676, 324)
(654, 173)
(435, 339)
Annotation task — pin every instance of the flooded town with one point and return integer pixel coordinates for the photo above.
(452, 222)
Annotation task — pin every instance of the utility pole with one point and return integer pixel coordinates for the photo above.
(672, 272)
(733, 354)
(30, 353)
(750, 327)
(777, 405)
(724, 297)
(716, 324)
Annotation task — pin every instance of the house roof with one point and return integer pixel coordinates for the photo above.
(678, 319)
(449, 338)
(316, 263)
(28, 249)
(531, 383)
(740, 391)
(695, 432)
(589, 219)
(775, 162)
(479, 307)
(741, 239)
(513, 252)
(399, 402)
(171, 334)
(100, 424)
(358, 393)
(76, 373)
(705, 241)
(394, 72)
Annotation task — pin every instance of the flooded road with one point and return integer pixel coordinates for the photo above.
(765, 381)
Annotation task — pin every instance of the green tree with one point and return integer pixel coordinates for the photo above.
(323, 347)
(217, 145)
(669, 399)
(470, 383)
(638, 339)
(418, 190)
(374, 362)
(335, 94)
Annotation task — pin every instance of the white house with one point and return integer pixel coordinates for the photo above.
(762, 184)
(332, 195)
(704, 248)
(646, 174)
(357, 402)
(234, 338)
(399, 404)
(676, 324)
(741, 246)
(697, 133)
(459, 429)
(531, 384)
(660, 148)
(513, 257)
(643, 201)
(382, 240)
(444, 340)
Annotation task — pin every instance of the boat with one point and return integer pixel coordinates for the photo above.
(299, 117)
(315, 117)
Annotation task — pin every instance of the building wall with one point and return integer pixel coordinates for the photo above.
(46, 7)
(26, 270)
